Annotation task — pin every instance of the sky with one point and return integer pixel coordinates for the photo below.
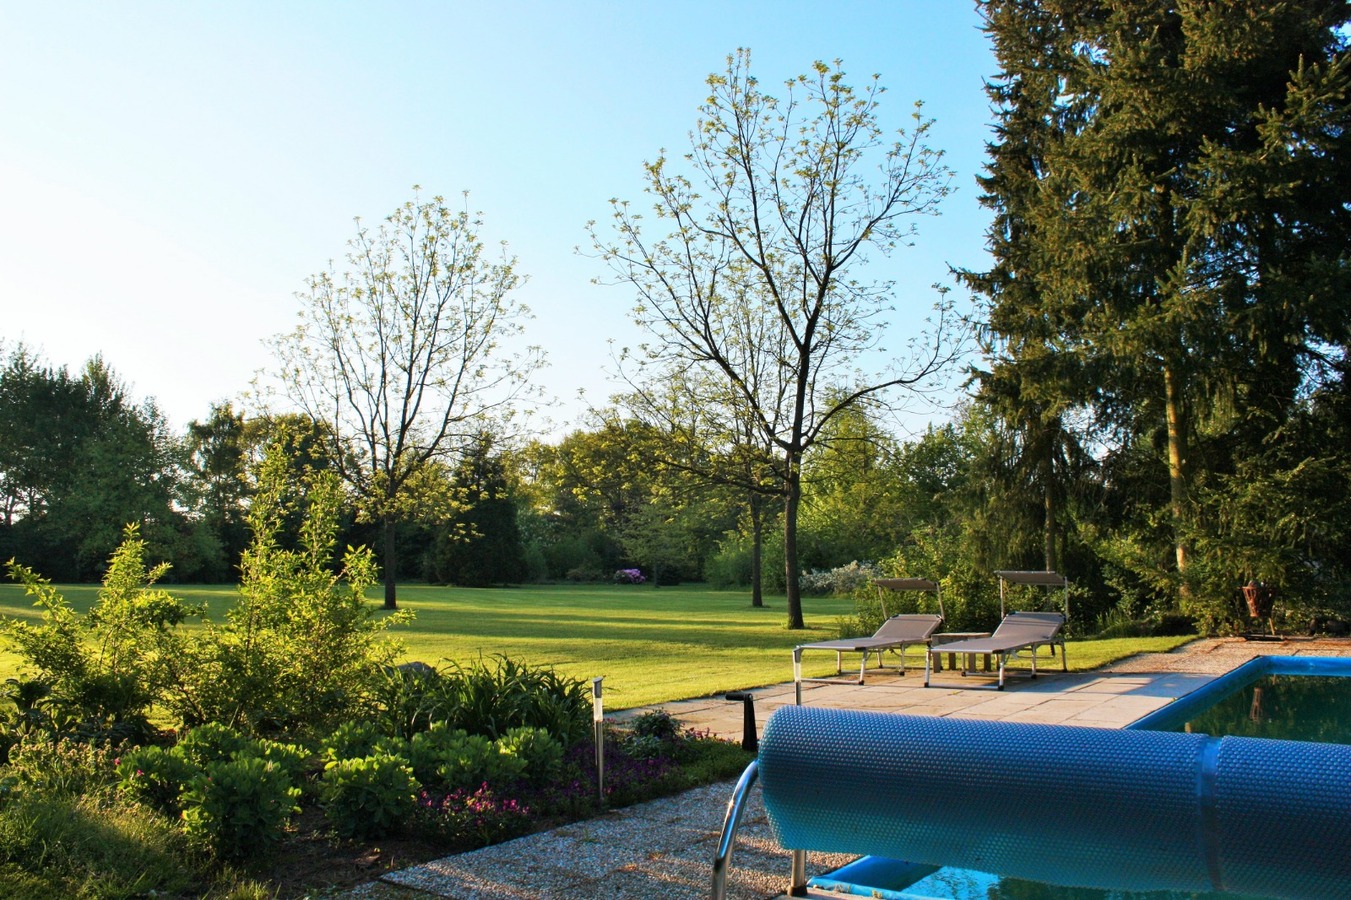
(170, 173)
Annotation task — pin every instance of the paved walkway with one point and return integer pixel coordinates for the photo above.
(665, 848)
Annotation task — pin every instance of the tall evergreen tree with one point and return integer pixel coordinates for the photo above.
(1159, 258)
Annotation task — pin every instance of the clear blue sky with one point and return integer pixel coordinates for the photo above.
(171, 172)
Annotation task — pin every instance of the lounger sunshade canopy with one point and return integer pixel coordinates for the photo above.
(1033, 579)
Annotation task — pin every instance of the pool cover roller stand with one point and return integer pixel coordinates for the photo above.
(1075, 806)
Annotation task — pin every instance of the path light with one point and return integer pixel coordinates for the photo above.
(598, 720)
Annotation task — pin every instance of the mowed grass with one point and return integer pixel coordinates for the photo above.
(650, 644)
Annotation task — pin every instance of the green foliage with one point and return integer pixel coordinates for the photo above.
(209, 743)
(509, 694)
(62, 767)
(92, 847)
(368, 797)
(237, 805)
(105, 669)
(471, 760)
(350, 740)
(155, 776)
(301, 648)
(540, 753)
(429, 750)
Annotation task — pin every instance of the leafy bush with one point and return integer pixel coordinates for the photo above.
(209, 743)
(472, 818)
(103, 670)
(493, 699)
(473, 760)
(540, 754)
(368, 797)
(62, 767)
(628, 576)
(302, 648)
(350, 740)
(408, 698)
(155, 776)
(237, 805)
(293, 759)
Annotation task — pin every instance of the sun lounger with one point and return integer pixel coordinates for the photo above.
(1019, 631)
(895, 634)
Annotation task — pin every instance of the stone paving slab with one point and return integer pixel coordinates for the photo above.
(665, 848)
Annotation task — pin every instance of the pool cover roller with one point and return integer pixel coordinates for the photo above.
(1085, 807)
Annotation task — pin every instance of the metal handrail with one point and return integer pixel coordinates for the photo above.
(731, 823)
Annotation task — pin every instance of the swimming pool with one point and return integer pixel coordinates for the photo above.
(1299, 698)
(1286, 698)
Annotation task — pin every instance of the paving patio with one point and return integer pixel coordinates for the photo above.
(665, 848)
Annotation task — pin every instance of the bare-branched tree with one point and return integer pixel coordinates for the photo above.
(753, 290)
(404, 356)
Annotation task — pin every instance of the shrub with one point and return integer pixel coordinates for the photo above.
(368, 797)
(104, 669)
(540, 755)
(628, 576)
(155, 776)
(430, 749)
(293, 759)
(730, 566)
(237, 805)
(657, 723)
(473, 760)
(350, 740)
(408, 698)
(210, 743)
(62, 767)
(472, 818)
(839, 581)
(301, 648)
(492, 700)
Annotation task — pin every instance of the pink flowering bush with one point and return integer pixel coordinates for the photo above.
(474, 818)
(629, 576)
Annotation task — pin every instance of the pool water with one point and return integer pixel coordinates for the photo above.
(895, 880)
(1289, 707)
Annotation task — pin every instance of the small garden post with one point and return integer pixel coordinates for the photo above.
(598, 719)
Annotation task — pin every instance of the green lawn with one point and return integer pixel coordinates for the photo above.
(651, 644)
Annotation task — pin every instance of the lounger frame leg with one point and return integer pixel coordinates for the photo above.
(797, 674)
(928, 665)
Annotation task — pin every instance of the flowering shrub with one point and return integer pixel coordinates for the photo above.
(472, 818)
(629, 576)
(840, 581)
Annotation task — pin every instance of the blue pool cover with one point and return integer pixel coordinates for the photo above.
(1085, 807)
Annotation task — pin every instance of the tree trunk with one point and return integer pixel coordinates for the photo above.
(757, 550)
(391, 562)
(1177, 471)
(792, 498)
(1048, 496)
